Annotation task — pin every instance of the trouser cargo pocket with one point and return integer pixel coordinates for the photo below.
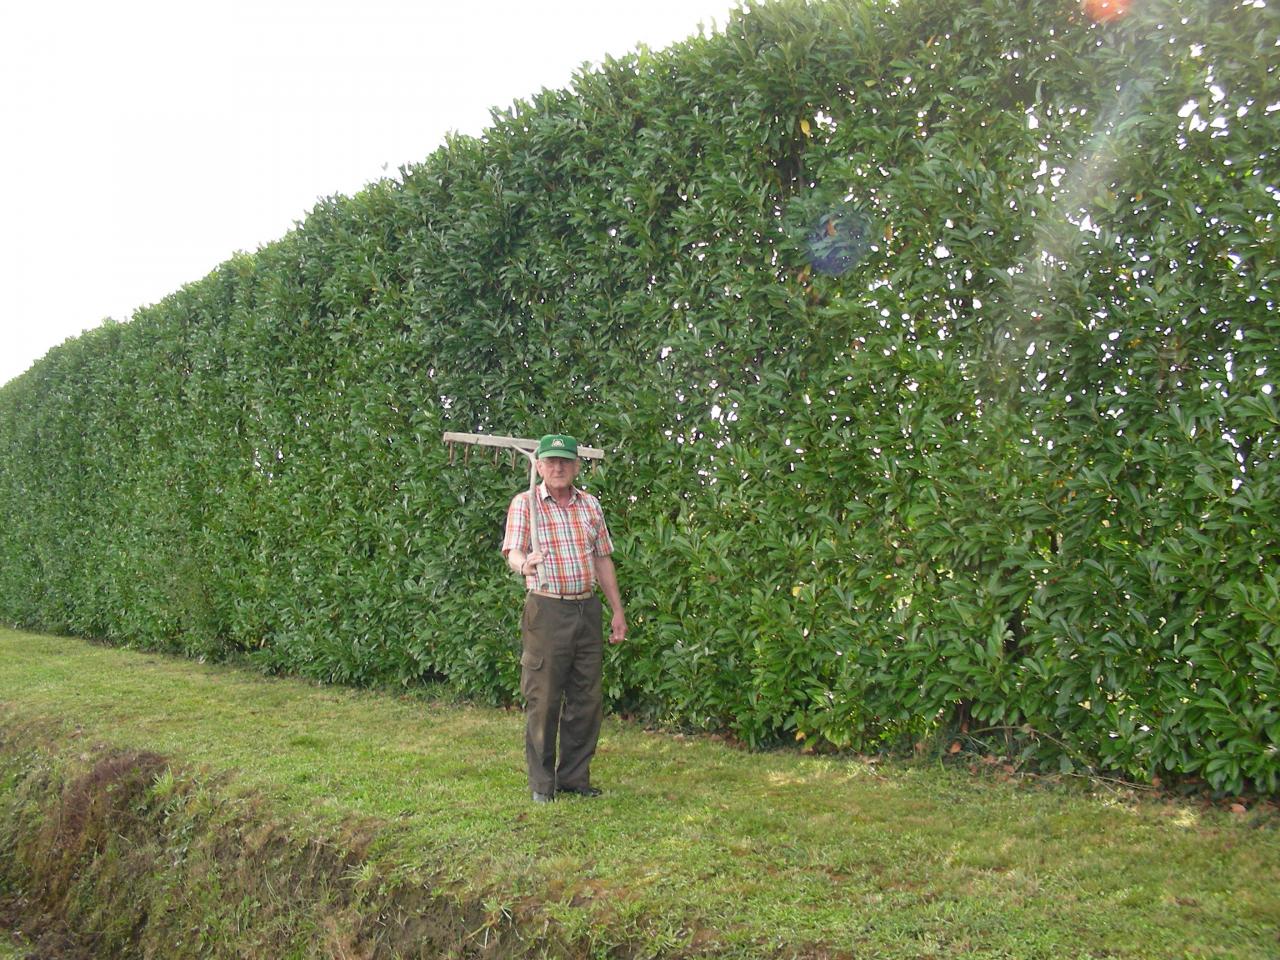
(531, 674)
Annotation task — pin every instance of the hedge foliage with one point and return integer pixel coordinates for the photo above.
(932, 345)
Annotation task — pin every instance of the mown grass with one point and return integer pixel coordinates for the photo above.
(696, 847)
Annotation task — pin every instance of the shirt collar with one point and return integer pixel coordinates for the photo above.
(545, 494)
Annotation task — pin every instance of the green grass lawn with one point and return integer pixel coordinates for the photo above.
(696, 847)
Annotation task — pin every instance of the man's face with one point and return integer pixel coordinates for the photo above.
(558, 472)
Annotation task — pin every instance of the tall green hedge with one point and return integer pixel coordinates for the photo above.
(932, 345)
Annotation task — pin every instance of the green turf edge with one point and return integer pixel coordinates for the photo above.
(928, 862)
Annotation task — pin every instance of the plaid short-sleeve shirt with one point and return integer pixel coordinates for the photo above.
(568, 537)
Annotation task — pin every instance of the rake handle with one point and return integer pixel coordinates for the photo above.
(533, 513)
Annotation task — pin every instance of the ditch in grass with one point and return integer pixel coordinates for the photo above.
(696, 848)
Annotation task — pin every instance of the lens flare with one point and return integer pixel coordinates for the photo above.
(1104, 11)
(838, 241)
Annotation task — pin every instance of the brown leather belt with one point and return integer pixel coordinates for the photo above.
(564, 596)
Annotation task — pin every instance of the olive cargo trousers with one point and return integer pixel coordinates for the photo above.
(560, 667)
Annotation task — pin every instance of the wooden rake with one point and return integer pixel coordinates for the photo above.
(530, 449)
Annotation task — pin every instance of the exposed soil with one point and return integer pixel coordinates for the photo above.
(110, 855)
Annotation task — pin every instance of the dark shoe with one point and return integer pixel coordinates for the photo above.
(581, 791)
(542, 797)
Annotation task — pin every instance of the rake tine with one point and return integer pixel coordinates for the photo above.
(516, 444)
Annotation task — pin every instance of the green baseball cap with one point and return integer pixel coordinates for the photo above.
(558, 445)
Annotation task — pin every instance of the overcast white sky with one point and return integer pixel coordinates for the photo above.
(146, 141)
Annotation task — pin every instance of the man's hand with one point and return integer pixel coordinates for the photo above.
(524, 564)
(608, 579)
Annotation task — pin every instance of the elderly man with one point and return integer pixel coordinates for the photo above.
(561, 628)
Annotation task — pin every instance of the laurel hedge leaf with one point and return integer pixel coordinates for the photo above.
(931, 344)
